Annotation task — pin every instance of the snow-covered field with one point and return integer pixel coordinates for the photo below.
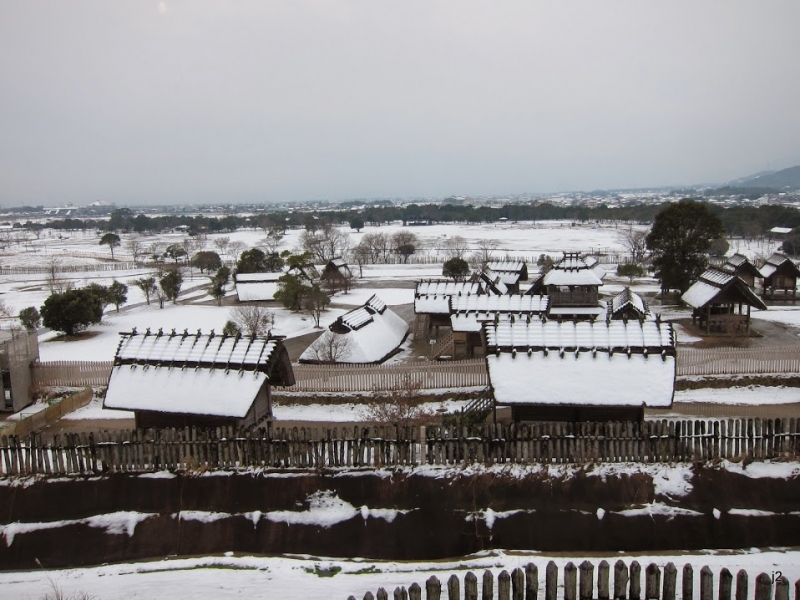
(304, 577)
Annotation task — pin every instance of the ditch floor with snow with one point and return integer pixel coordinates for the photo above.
(425, 513)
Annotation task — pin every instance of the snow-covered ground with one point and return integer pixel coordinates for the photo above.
(305, 577)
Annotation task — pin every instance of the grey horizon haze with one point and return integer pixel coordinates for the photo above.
(199, 101)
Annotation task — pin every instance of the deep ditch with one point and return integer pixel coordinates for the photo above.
(429, 514)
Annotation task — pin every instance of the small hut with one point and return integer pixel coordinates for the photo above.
(740, 265)
(780, 278)
(205, 380)
(627, 305)
(714, 299)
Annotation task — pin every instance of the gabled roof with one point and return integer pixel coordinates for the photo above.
(499, 304)
(196, 350)
(256, 277)
(336, 265)
(716, 286)
(572, 269)
(201, 374)
(627, 300)
(445, 287)
(601, 364)
(432, 305)
(252, 287)
(645, 337)
(492, 283)
(373, 332)
(739, 263)
(506, 266)
(779, 261)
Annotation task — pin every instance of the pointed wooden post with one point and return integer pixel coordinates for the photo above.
(551, 581)
(400, 593)
(453, 588)
(504, 586)
(670, 582)
(782, 588)
(602, 580)
(706, 584)
(488, 586)
(763, 587)
(687, 583)
(532, 582)
(586, 581)
(635, 581)
(725, 584)
(381, 594)
(414, 592)
(433, 588)
(620, 580)
(652, 582)
(741, 585)
(470, 586)
(518, 584)
(570, 581)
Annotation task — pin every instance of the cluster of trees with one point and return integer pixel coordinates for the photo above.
(73, 310)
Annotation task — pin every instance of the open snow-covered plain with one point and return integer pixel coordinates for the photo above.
(290, 577)
(303, 577)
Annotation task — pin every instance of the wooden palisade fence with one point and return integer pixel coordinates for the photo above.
(442, 374)
(579, 583)
(310, 448)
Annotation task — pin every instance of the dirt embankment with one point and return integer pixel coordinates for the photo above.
(390, 515)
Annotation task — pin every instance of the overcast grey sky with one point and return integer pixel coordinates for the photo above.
(203, 101)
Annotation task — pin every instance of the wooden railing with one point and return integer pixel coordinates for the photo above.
(428, 375)
(311, 448)
(579, 583)
(71, 373)
(738, 361)
(49, 415)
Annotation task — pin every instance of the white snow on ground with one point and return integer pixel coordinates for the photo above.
(300, 578)
(343, 413)
(787, 315)
(95, 410)
(359, 296)
(753, 395)
(683, 336)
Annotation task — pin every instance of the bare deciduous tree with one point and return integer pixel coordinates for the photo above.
(402, 405)
(483, 255)
(253, 320)
(635, 242)
(135, 248)
(405, 243)
(330, 242)
(221, 243)
(332, 348)
(378, 245)
(455, 247)
(55, 282)
(235, 248)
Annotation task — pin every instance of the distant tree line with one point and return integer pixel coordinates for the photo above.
(737, 221)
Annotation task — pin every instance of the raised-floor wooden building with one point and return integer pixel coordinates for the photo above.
(718, 300)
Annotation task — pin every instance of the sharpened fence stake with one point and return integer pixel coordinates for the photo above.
(602, 580)
(706, 584)
(635, 581)
(504, 586)
(453, 588)
(531, 582)
(670, 582)
(620, 580)
(551, 581)
(741, 585)
(570, 581)
(763, 587)
(433, 588)
(725, 584)
(687, 583)
(470, 586)
(652, 582)
(586, 587)
(781, 588)
(414, 592)
(488, 586)
(518, 584)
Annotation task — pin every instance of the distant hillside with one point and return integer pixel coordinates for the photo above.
(786, 178)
